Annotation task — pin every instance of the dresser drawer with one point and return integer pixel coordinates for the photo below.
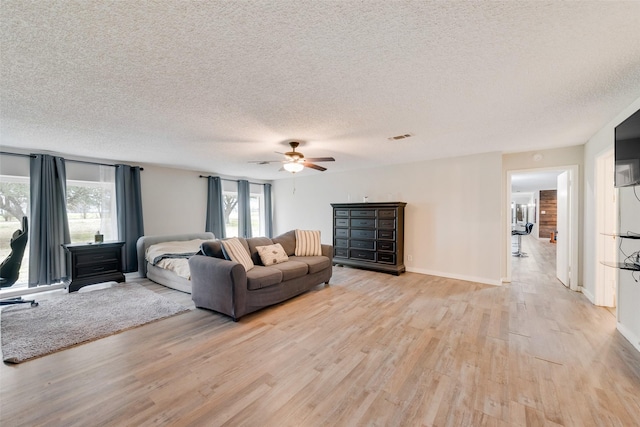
(363, 244)
(369, 213)
(386, 234)
(363, 234)
(387, 258)
(387, 246)
(387, 223)
(342, 243)
(386, 213)
(362, 254)
(342, 222)
(363, 223)
(341, 232)
(341, 212)
(341, 252)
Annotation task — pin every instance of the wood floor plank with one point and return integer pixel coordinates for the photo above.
(368, 349)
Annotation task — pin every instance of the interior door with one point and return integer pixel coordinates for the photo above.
(563, 236)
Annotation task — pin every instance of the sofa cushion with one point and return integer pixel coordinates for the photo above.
(253, 243)
(212, 248)
(234, 250)
(261, 277)
(288, 242)
(272, 254)
(291, 269)
(315, 263)
(308, 243)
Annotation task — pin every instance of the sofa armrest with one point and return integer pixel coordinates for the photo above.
(218, 284)
(327, 250)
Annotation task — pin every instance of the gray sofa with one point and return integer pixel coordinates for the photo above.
(225, 287)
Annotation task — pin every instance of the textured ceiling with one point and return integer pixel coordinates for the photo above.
(213, 85)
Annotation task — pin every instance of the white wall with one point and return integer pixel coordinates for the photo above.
(629, 208)
(173, 200)
(453, 214)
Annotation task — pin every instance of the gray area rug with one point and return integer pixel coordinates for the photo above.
(62, 321)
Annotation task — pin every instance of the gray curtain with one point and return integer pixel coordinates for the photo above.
(129, 207)
(215, 208)
(49, 224)
(244, 208)
(268, 215)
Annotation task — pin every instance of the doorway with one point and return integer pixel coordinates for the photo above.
(534, 180)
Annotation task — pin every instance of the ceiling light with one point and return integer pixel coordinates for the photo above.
(293, 167)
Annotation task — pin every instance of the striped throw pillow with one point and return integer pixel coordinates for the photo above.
(233, 249)
(308, 243)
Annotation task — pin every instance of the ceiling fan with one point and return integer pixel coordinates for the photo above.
(295, 160)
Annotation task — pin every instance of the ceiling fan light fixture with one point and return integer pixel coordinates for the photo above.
(293, 167)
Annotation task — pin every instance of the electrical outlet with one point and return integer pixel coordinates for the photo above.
(409, 258)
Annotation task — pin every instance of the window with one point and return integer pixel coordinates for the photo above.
(257, 209)
(230, 196)
(230, 199)
(91, 202)
(14, 204)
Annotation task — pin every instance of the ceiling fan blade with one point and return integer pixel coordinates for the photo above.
(320, 159)
(312, 166)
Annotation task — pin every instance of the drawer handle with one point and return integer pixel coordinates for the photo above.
(98, 269)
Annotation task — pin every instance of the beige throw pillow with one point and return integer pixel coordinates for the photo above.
(236, 252)
(272, 254)
(308, 243)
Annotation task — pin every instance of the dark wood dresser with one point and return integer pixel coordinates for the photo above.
(90, 263)
(369, 236)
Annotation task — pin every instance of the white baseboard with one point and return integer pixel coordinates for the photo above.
(484, 280)
(588, 294)
(630, 336)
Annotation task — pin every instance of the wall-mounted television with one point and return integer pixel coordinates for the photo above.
(627, 151)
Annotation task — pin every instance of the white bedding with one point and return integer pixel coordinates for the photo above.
(180, 266)
(174, 256)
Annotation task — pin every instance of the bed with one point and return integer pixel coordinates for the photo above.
(164, 259)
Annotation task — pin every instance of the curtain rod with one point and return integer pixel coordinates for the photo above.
(66, 160)
(232, 180)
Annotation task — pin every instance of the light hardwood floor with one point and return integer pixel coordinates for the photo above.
(370, 349)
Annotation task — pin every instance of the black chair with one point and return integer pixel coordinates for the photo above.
(10, 267)
(527, 230)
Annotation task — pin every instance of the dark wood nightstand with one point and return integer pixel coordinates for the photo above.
(90, 263)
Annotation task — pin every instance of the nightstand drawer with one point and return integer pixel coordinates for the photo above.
(96, 257)
(341, 212)
(93, 269)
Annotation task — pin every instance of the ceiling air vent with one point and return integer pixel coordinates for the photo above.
(397, 137)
